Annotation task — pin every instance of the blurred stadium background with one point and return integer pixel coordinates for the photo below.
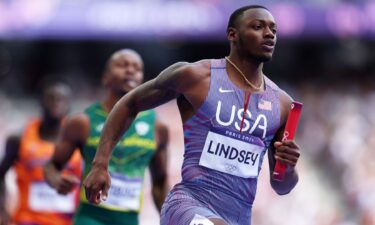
(325, 58)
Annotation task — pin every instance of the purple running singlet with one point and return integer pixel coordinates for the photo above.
(221, 164)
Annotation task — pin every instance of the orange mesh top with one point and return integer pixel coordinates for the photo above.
(39, 203)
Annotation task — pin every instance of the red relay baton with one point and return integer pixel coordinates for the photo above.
(289, 132)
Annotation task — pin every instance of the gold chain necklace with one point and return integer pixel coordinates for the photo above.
(244, 77)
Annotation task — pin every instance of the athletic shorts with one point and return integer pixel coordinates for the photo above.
(182, 205)
(92, 215)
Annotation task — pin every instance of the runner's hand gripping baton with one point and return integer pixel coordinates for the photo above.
(289, 132)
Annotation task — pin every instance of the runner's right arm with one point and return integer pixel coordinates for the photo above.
(10, 156)
(72, 136)
(178, 79)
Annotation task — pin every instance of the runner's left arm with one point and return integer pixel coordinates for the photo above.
(158, 166)
(287, 152)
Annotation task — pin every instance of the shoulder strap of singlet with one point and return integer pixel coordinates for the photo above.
(218, 63)
(271, 84)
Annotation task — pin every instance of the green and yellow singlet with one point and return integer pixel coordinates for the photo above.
(127, 165)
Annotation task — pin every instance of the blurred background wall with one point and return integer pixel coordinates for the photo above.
(325, 58)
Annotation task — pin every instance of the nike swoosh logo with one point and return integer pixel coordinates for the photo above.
(221, 90)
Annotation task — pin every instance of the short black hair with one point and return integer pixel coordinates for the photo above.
(124, 50)
(49, 81)
(236, 14)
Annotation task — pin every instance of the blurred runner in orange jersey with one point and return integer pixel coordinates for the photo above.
(38, 203)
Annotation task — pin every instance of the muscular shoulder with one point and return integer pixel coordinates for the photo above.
(198, 71)
(182, 76)
(78, 120)
(285, 102)
(201, 67)
(76, 127)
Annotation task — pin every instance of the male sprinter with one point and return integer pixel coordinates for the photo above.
(144, 144)
(38, 203)
(231, 112)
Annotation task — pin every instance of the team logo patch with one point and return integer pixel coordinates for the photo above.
(142, 128)
(230, 168)
(99, 128)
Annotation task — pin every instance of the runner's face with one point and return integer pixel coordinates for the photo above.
(256, 34)
(56, 101)
(124, 73)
